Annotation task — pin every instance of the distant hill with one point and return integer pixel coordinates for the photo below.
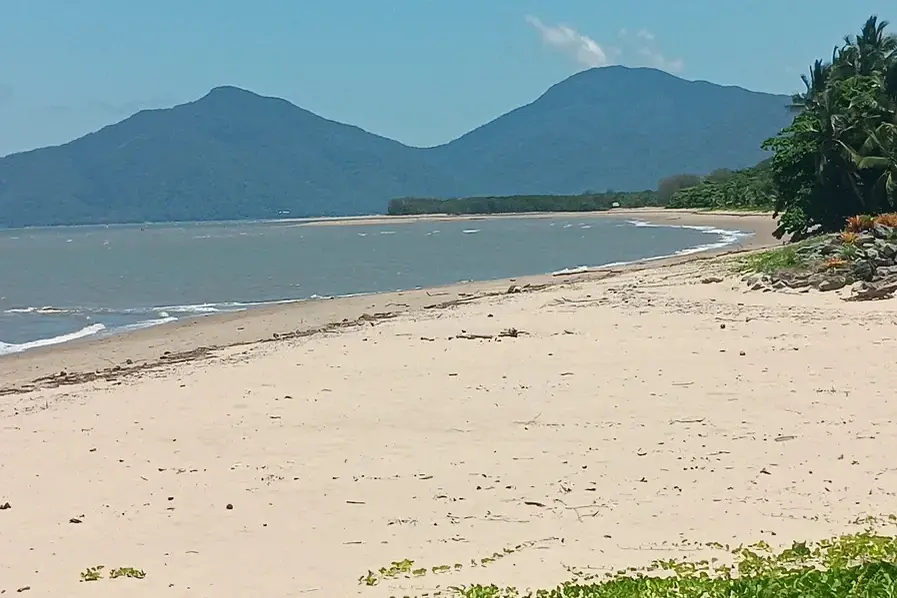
(233, 154)
(616, 128)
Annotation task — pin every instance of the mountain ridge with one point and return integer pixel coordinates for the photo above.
(234, 154)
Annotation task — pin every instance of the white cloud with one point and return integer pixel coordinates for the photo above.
(640, 48)
(651, 57)
(645, 35)
(581, 48)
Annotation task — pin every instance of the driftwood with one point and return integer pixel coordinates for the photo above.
(508, 333)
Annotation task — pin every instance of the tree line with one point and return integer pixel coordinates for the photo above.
(585, 202)
(721, 189)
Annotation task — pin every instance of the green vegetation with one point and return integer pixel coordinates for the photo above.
(585, 202)
(770, 261)
(792, 256)
(861, 565)
(839, 156)
(127, 572)
(96, 573)
(747, 189)
(92, 573)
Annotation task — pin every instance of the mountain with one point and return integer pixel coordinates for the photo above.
(616, 128)
(233, 154)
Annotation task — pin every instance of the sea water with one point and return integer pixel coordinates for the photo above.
(62, 283)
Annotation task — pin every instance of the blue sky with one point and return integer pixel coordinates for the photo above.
(420, 71)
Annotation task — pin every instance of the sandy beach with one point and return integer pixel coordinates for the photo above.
(592, 421)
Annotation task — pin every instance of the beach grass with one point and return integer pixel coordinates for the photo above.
(860, 565)
(770, 261)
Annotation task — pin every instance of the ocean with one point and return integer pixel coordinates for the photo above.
(63, 283)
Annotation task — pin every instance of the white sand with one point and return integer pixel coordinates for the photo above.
(638, 410)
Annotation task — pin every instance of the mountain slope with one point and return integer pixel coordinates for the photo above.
(616, 128)
(233, 154)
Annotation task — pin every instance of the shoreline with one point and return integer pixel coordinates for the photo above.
(116, 354)
(670, 214)
(595, 422)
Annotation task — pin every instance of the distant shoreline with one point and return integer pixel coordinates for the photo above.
(659, 216)
(374, 219)
(164, 344)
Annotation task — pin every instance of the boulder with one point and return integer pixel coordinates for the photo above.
(888, 250)
(862, 270)
(885, 271)
(881, 231)
(832, 283)
(794, 280)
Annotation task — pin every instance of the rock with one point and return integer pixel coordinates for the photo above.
(711, 279)
(865, 239)
(885, 271)
(794, 280)
(862, 270)
(832, 283)
(828, 248)
(882, 231)
(888, 250)
(755, 282)
(880, 290)
(816, 279)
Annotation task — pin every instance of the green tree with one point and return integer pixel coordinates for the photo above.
(839, 156)
(668, 186)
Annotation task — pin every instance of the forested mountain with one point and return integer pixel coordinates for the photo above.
(233, 154)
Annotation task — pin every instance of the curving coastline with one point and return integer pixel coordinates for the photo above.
(147, 344)
(621, 410)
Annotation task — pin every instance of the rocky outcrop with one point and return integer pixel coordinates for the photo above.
(865, 261)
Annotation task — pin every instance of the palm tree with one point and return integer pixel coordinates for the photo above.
(870, 52)
(890, 79)
(879, 153)
(815, 84)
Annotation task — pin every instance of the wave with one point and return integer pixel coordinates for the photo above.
(9, 348)
(577, 270)
(159, 312)
(727, 237)
(470, 231)
(145, 324)
(37, 310)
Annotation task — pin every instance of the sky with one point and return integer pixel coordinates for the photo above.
(419, 71)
